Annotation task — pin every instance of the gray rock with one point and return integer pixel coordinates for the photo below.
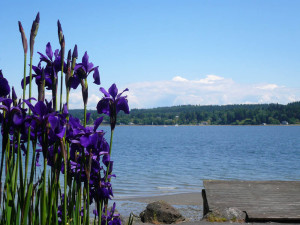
(161, 212)
(224, 215)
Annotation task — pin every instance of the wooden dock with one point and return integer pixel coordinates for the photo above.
(262, 201)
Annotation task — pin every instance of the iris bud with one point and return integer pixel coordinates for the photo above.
(84, 91)
(24, 39)
(14, 97)
(33, 33)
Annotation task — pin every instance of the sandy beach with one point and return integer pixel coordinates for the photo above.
(190, 206)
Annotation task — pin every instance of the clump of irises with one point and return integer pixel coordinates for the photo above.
(39, 134)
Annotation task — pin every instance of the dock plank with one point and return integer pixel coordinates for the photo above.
(261, 200)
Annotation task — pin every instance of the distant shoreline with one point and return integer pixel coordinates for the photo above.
(187, 125)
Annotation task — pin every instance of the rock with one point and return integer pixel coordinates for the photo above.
(225, 215)
(161, 212)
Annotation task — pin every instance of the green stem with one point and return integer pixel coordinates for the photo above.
(84, 122)
(61, 80)
(24, 81)
(17, 162)
(65, 183)
(19, 137)
(84, 204)
(100, 213)
(21, 171)
(29, 130)
(107, 173)
(88, 203)
(88, 188)
(4, 138)
(30, 81)
(110, 147)
(43, 208)
(79, 216)
(68, 95)
(85, 186)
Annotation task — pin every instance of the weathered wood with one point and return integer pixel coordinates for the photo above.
(261, 200)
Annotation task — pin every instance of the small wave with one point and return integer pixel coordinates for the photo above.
(167, 188)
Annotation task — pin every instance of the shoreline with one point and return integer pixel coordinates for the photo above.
(190, 205)
(192, 125)
(190, 198)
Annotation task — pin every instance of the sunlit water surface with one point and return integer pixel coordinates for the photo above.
(155, 160)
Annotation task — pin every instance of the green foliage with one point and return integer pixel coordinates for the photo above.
(255, 114)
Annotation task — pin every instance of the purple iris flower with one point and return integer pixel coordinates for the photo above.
(101, 190)
(112, 103)
(111, 218)
(15, 115)
(85, 67)
(82, 70)
(57, 126)
(4, 86)
(38, 76)
(53, 65)
(39, 123)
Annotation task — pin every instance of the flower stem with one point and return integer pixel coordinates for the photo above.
(84, 122)
(68, 95)
(63, 150)
(111, 140)
(4, 143)
(29, 130)
(100, 212)
(24, 81)
(110, 147)
(85, 103)
(107, 170)
(43, 211)
(61, 79)
(30, 81)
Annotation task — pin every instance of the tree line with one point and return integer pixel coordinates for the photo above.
(244, 114)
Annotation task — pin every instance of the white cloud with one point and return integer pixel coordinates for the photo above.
(210, 90)
(75, 100)
(210, 79)
(268, 86)
(179, 78)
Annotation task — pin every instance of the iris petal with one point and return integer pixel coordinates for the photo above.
(104, 92)
(40, 108)
(96, 76)
(103, 106)
(4, 87)
(122, 104)
(75, 81)
(61, 132)
(49, 52)
(17, 118)
(97, 122)
(113, 91)
(84, 141)
(85, 60)
(53, 120)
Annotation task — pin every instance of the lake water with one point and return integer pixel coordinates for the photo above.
(154, 160)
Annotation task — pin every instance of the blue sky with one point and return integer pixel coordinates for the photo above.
(169, 52)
